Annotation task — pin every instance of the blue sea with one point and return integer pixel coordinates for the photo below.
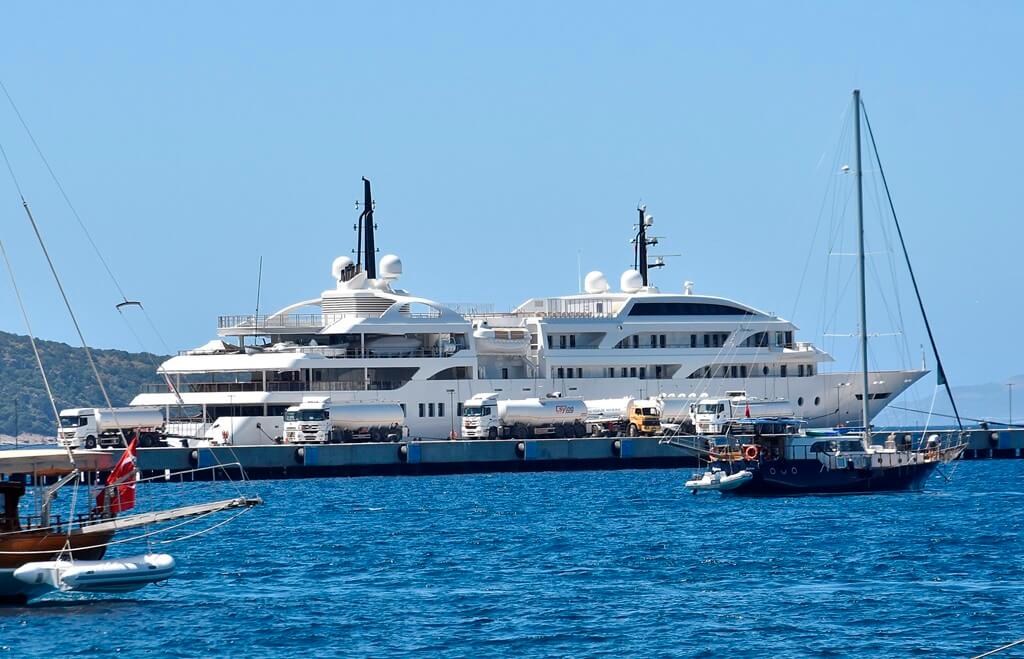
(566, 564)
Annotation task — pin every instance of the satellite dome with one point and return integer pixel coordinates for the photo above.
(631, 281)
(595, 282)
(338, 266)
(390, 267)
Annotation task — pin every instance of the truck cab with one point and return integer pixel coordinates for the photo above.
(78, 428)
(480, 417)
(308, 422)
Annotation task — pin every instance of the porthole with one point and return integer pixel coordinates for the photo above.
(765, 370)
(800, 401)
(817, 401)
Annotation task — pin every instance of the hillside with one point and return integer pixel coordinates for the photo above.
(73, 384)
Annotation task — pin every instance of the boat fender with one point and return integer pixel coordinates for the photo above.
(793, 470)
(403, 452)
(193, 458)
(993, 439)
(521, 449)
(617, 448)
(772, 471)
(750, 452)
(300, 455)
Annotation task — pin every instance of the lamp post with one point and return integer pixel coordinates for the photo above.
(839, 405)
(451, 410)
(1009, 388)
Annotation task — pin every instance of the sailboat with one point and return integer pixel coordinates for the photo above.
(43, 552)
(779, 456)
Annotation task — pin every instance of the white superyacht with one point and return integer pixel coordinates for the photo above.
(365, 340)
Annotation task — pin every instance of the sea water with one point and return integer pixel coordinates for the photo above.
(565, 564)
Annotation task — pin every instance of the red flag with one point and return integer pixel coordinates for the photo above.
(120, 490)
(746, 413)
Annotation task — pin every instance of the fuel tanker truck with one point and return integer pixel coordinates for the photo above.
(486, 417)
(89, 427)
(318, 421)
(612, 417)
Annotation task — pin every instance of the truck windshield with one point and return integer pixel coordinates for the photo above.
(71, 421)
(649, 411)
(475, 410)
(306, 415)
(707, 408)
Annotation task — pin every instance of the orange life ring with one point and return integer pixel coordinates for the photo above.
(750, 452)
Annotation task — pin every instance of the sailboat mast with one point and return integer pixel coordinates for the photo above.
(865, 418)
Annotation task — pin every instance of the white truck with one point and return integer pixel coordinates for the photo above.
(486, 417)
(89, 427)
(713, 415)
(318, 421)
(612, 417)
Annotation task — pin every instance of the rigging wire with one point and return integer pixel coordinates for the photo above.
(28, 328)
(917, 291)
(60, 287)
(76, 215)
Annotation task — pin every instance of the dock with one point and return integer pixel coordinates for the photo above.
(421, 458)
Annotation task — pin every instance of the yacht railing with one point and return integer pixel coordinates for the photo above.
(237, 387)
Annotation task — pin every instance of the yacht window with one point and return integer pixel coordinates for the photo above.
(693, 340)
(430, 409)
(789, 339)
(624, 372)
(569, 374)
(654, 340)
(782, 371)
(684, 309)
(764, 370)
(734, 371)
(423, 409)
(458, 409)
(636, 340)
(643, 372)
(800, 401)
(743, 371)
(440, 409)
(779, 338)
(810, 370)
(657, 372)
(504, 374)
(707, 340)
(561, 372)
(572, 340)
(800, 370)
(632, 371)
(402, 405)
(817, 400)
(661, 340)
(561, 341)
(551, 341)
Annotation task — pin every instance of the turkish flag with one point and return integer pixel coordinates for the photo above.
(120, 490)
(746, 412)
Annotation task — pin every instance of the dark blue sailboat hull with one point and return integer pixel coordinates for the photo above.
(794, 477)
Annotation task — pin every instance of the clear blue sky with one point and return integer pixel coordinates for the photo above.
(501, 139)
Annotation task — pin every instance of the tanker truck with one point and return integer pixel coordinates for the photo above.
(90, 427)
(713, 415)
(317, 421)
(611, 417)
(486, 417)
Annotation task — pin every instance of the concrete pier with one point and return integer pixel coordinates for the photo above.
(476, 456)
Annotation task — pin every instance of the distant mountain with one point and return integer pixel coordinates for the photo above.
(989, 401)
(72, 381)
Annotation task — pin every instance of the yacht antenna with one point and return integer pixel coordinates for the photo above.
(368, 227)
(641, 242)
(256, 318)
(865, 419)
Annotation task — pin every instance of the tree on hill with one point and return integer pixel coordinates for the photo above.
(72, 380)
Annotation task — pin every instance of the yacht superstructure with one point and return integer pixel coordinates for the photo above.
(367, 340)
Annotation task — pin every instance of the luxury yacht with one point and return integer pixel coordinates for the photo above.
(364, 339)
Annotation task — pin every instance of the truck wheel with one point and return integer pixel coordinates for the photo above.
(519, 431)
(633, 432)
(570, 431)
(90, 442)
(581, 429)
(492, 433)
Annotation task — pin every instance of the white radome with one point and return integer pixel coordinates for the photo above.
(631, 281)
(390, 267)
(338, 266)
(595, 282)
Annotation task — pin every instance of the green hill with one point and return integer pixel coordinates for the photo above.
(72, 380)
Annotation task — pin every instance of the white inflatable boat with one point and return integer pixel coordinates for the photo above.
(718, 480)
(108, 576)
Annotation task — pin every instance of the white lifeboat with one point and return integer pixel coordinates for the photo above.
(393, 346)
(491, 341)
(108, 576)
